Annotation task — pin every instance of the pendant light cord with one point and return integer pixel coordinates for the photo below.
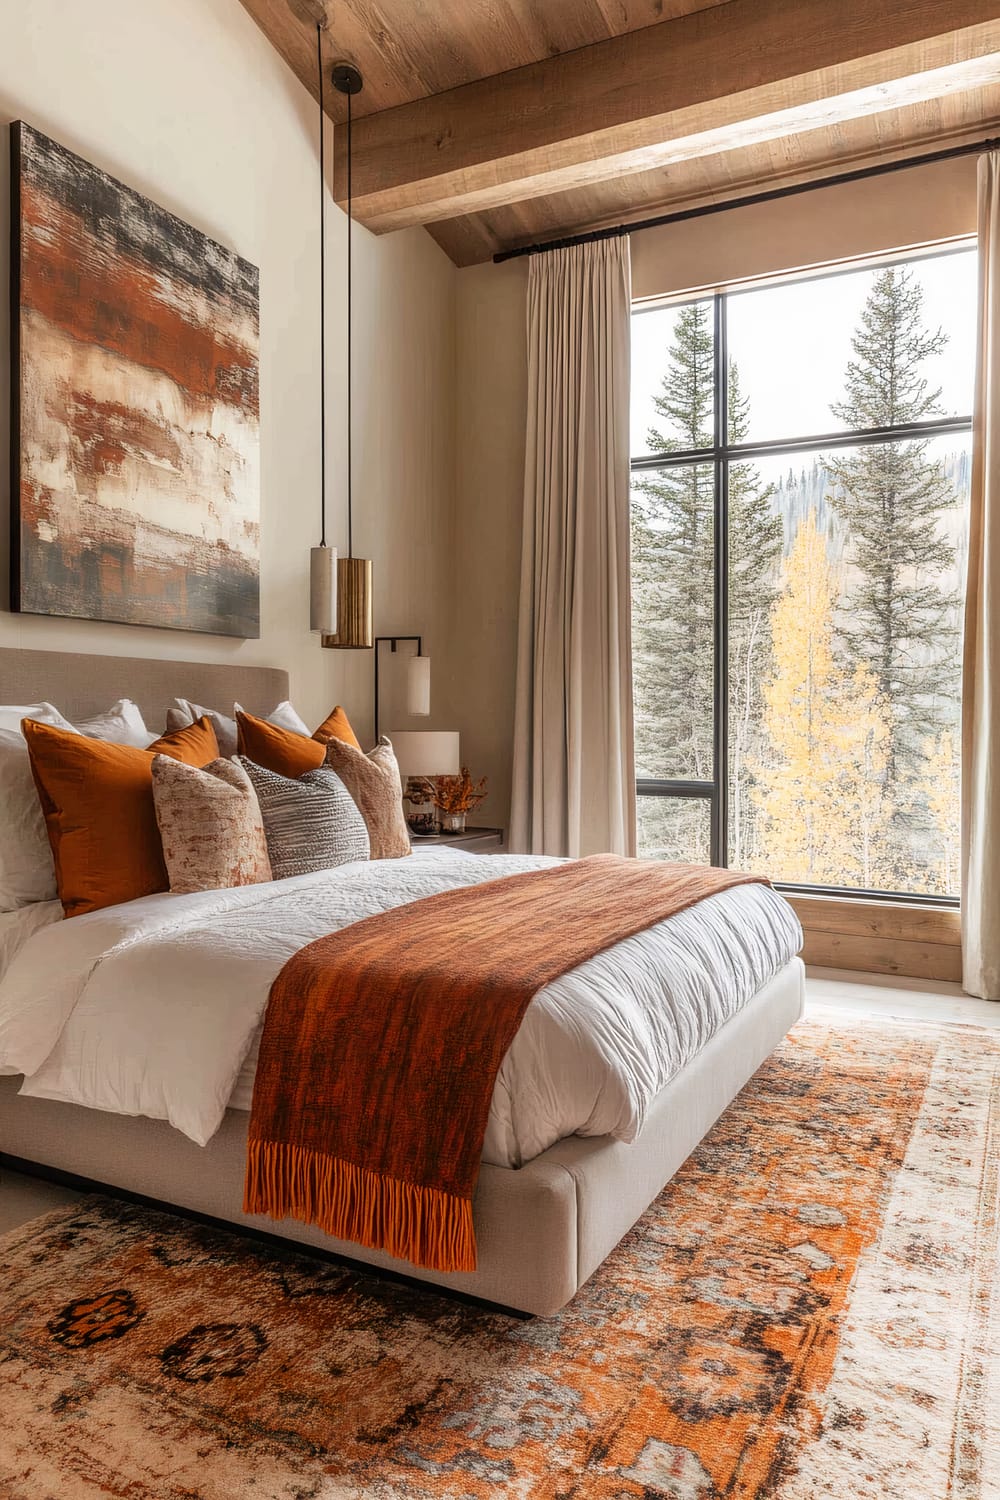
(322, 291)
(350, 305)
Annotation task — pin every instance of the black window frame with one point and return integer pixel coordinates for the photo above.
(721, 455)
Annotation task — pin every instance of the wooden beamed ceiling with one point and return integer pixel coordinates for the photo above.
(498, 122)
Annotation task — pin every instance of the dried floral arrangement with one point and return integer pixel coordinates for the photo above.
(452, 794)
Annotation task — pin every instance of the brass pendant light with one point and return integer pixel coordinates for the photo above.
(355, 622)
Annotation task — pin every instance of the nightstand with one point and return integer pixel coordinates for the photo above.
(478, 840)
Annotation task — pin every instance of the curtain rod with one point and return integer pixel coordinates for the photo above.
(973, 148)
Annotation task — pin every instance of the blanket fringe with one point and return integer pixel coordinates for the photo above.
(420, 1224)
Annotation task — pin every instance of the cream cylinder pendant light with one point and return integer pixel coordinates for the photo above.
(355, 628)
(418, 686)
(322, 588)
(323, 614)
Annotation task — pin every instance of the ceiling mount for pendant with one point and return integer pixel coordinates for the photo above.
(347, 78)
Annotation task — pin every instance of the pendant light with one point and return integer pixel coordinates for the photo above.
(322, 559)
(355, 626)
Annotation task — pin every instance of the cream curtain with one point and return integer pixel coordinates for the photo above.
(981, 666)
(574, 786)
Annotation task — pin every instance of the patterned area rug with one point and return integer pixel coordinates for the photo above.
(809, 1312)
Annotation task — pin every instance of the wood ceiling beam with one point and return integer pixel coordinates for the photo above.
(748, 70)
(476, 239)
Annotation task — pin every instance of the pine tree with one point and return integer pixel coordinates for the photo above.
(819, 792)
(673, 575)
(672, 519)
(899, 622)
(672, 572)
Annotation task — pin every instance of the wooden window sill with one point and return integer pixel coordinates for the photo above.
(881, 937)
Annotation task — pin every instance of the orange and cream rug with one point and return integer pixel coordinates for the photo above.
(811, 1311)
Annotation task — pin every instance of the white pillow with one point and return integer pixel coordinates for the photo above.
(185, 712)
(123, 724)
(27, 873)
(285, 717)
(11, 715)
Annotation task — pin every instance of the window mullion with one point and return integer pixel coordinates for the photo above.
(720, 799)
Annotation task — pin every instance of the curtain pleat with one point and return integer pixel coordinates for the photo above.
(981, 664)
(574, 778)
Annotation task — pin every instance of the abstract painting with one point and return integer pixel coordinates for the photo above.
(135, 433)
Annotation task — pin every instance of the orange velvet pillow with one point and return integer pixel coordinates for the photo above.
(285, 752)
(337, 726)
(98, 804)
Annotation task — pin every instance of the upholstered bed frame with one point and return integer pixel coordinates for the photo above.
(541, 1231)
(82, 685)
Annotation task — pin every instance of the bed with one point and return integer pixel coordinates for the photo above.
(551, 1203)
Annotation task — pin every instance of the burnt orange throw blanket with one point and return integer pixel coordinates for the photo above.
(382, 1044)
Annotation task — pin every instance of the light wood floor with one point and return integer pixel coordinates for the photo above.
(23, 1198)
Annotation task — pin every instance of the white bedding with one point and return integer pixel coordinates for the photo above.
(154, 1007)
(16, 927)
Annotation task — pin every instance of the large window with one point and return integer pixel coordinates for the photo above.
(800, 471)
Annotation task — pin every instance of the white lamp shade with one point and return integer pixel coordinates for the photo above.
(430, 752)
(323, 590)
(418, 685)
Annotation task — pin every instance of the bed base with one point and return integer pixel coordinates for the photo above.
(276, 1241)
(542, 1231)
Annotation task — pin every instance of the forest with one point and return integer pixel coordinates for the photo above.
(844, 621)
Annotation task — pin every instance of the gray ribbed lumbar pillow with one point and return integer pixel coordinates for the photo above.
(311, 822)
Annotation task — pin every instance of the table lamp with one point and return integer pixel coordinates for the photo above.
(424, 754)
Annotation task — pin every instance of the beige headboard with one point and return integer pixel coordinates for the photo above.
(81, 685)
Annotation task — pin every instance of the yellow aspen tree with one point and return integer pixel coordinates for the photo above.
(819, 794)
(937, 793)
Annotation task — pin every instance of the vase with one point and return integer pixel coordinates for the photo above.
(453, 822)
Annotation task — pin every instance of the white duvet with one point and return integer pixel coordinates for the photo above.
(155, 1007)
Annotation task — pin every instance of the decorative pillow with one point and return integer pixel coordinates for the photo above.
(283, 751)
(123, 724)
(98, 805)
(336, 726)
(186, 712)
(373, 781)
(311, 823)
(27, 873)
(210, 825)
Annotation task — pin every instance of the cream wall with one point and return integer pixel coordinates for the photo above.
(491, 391)
(917, 207)
(186, 101)
(904, 209)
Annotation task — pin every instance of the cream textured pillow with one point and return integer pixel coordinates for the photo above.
(373, 781)
(210, 825)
